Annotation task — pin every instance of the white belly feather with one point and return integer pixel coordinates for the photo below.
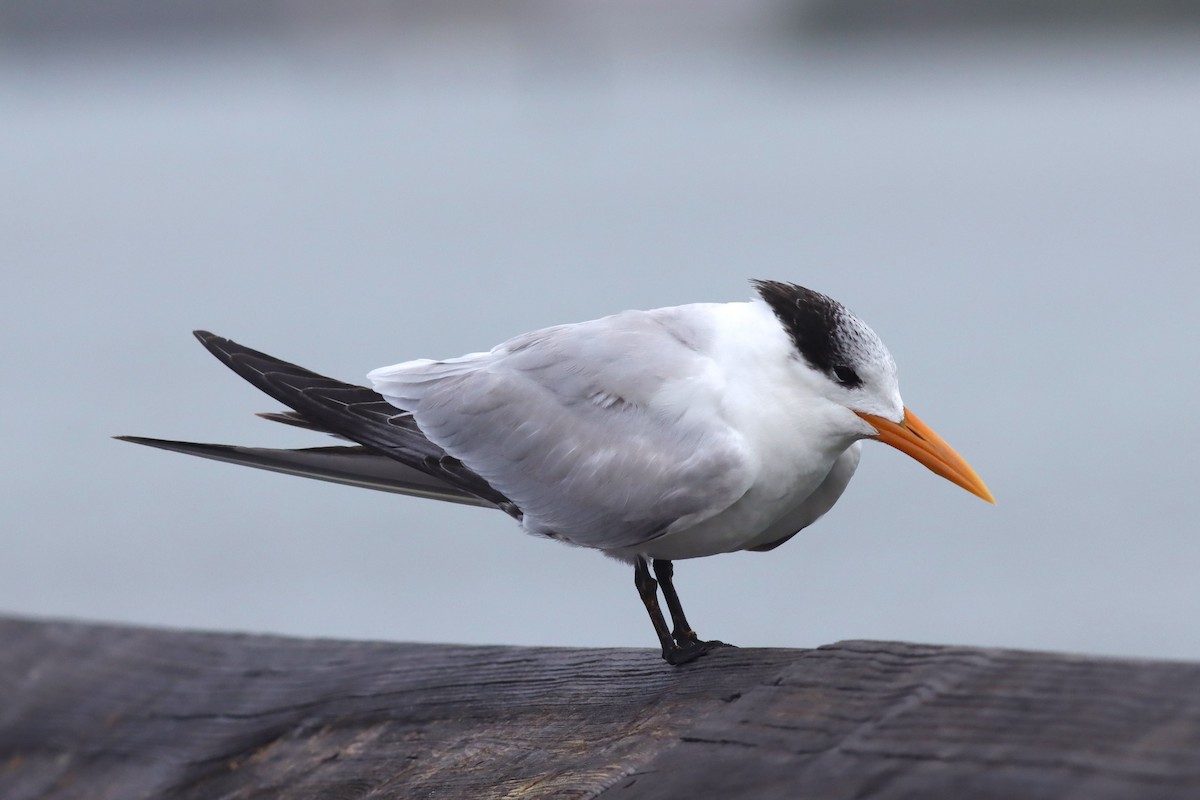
(752, 522)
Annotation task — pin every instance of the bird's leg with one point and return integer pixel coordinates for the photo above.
(648, 590)
(673, 652)
(682, 634)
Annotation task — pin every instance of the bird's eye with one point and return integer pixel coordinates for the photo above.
(846, 376)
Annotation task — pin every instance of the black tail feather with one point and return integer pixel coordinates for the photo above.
(353, 412)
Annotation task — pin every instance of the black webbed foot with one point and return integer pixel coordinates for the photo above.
(687, 653)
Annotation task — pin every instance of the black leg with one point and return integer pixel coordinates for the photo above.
(683, 645)
(682, 633)
(648, 591)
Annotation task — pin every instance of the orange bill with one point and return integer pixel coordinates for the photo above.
(915, 438)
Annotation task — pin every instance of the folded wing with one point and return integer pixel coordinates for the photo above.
(605, 433)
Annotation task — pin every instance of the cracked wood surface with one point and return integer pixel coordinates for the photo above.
(98, 711)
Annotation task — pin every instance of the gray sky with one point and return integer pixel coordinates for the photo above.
(1016, 214)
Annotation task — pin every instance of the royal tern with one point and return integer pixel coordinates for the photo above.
(651, 436)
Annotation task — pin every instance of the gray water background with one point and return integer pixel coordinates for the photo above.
(1015, 209)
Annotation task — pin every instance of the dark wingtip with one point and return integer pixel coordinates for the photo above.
(297, 420)
(206, 338)
(140, 440)
(191, 448)
(224, 349)
(162, 444)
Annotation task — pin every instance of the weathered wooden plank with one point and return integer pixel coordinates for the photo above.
(91, 711)
(103, 711)
(891, 720)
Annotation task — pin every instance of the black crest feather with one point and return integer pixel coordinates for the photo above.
(817, 325)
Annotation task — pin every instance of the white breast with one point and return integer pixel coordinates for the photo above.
(794, 442)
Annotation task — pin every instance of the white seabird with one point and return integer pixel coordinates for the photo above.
(651, 436)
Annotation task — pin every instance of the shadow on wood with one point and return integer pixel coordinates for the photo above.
(92, 711)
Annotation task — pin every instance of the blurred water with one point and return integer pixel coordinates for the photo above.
(1016, 215)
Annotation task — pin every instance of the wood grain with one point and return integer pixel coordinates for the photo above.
(97, 711)
(895, 720)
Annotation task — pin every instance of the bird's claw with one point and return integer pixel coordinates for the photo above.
(687, 653)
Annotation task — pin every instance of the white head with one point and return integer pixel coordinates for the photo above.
(850, 366)
(853, 367)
